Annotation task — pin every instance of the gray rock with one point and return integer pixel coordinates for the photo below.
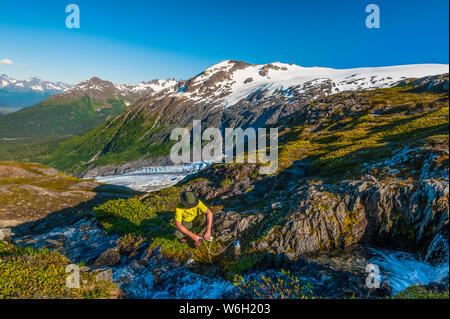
(53, 243)
(110, 257)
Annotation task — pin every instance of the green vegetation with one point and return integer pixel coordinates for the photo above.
(116, 141)
(34, 187)
(419, 292)
(27, 149)
(341, 147)
(31, 133)
(244, 263)
(27, 273)
(126, 217)
(226, 182)
(59, 117)
(153, 219)
(286, 286)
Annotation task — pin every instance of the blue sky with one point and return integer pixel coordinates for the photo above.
(132, 41)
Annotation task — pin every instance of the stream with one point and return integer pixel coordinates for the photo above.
(85, 240)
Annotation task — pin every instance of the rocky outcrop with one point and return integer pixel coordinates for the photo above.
(384, 208)
(436, 84)
(110, 257)
(232, 224)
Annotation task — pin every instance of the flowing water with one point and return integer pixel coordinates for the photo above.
(402, 269)
(85, 240)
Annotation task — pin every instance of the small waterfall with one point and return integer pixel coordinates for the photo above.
(403, 269)
(438, 251)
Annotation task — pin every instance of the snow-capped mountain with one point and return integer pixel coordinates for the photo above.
(34, 84)
(229, 82)
(152, 86)
(242, 94)
(235, 94)
(99, 89)
(145, 87)
(82, 107)
(19, 93)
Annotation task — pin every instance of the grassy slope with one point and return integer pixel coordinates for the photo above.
(31, 191)
(58, 117)
(117, 141)
(33, 149)
(41, 274)
(388, 124)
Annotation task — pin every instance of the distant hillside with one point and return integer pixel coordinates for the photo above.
(83, 107)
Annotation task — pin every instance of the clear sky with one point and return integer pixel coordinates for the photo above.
(132, 41)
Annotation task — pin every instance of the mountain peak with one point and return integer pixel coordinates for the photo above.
(228, 82)
(35, 84)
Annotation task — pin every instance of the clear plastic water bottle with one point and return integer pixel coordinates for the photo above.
(237, 248)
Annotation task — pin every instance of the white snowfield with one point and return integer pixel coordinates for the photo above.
(155, 85)
(279, 78)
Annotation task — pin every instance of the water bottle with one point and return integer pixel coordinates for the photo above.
(237, 248)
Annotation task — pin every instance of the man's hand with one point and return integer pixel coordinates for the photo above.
(197, 240)
(208, 235)
(195, 237)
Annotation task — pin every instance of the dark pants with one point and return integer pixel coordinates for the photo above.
(198, 225)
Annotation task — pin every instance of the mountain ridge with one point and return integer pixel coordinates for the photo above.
(83, 106)
(21, 93)
(141, 134)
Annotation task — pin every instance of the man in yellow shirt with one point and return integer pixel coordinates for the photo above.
(192, 214)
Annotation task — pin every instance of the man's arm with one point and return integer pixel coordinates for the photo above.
(209, 220)
(186, 231)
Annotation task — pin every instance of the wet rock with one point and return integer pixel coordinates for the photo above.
(53, 243)
(385, 290)
(110, 257)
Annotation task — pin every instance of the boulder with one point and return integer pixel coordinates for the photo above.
(110, 257)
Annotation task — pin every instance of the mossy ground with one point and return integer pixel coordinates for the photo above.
(394, 117)
(41, 274)
(418, 292)
(30, 191)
